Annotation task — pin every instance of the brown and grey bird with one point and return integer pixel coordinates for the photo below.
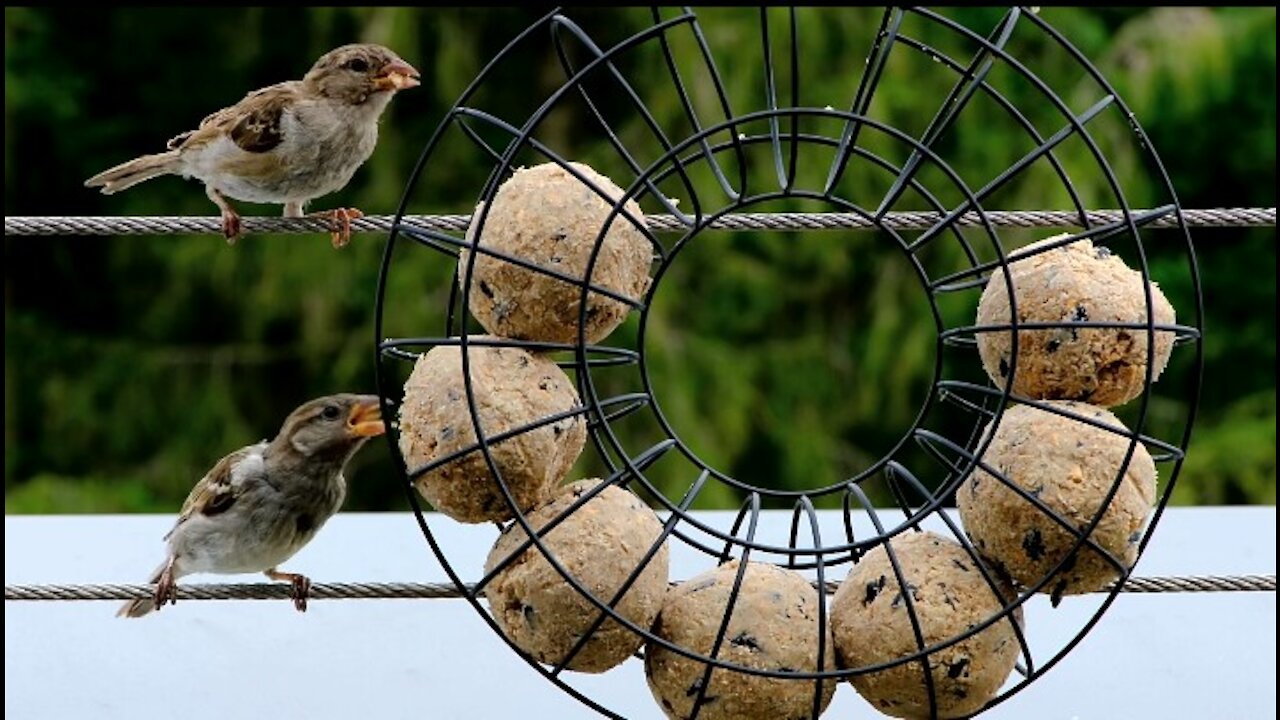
(259, 505)
(288, 143)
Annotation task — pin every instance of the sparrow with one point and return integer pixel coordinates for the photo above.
(261, 504)
(288, 143)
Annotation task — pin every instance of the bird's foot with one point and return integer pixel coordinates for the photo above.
(301, 586)
(230, 226)
(166, 588)
(301, 589)
(230, 218)
(340, 223)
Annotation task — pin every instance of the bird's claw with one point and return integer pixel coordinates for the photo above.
(340, 224)
(301, 589)
(166, 591)
(301, 586)
(231, 227)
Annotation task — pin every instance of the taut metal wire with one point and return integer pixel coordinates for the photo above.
(447, 591)
(907, 220)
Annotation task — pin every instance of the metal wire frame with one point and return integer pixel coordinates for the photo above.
(985, 402)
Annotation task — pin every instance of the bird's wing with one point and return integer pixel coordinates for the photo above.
(218, 489)
(253, 124)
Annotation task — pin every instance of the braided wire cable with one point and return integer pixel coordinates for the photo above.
(911, 220)
(435, 591)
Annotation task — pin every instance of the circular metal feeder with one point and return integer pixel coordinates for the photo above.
(720, 154)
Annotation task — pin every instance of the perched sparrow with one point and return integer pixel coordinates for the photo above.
(260, 504)
(287, 143)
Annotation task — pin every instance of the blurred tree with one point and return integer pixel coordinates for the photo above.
(132, 363)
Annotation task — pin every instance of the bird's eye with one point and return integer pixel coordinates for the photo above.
(357, 64)
(330, 412)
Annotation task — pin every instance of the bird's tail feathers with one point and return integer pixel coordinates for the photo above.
(141, 607)
(126, 175)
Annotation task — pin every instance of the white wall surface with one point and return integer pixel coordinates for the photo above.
(1151, 656)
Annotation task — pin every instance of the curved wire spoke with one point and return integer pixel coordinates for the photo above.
(876, 61)
(436, 240)
(1082, 535)
(488, 441)
(460, 116)
(722, 96)
(820, 584)
(771, 98)
(972, 78)
(978, 273)
(786, 169)
(1027, 666)
(560, 23)
(794, 47)
(1017, 167)
(521, 137)
(615, 355)
(751, 512)
(1049, 407)
(1081, 214)
(534, 538)
(667, 528)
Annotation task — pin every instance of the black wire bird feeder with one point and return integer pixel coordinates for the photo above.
(723, 153)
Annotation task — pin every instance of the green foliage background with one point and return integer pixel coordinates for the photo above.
(131, 364)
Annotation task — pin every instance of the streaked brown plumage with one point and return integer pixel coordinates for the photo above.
(261, 504)
(288, 143)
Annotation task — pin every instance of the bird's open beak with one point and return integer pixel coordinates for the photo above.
(399, 75)
(366, 419)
